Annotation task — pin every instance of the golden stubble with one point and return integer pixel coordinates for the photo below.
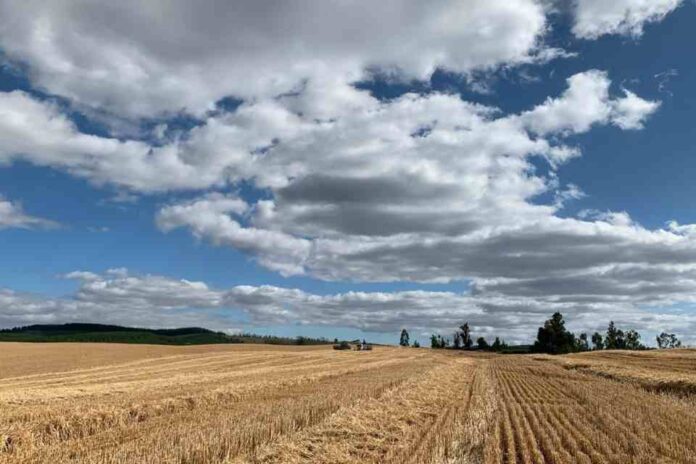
(91, 403)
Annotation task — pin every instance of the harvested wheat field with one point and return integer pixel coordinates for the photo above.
(84, 403)
(671, 371)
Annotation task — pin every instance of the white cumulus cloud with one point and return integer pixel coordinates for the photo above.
(142, 60)
(594, 18)
(12, 216)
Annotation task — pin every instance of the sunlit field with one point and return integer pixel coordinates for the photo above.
(101, 403)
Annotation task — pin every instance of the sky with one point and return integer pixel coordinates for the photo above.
(347, 170)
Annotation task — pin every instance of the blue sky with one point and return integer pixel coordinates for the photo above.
(257, 214)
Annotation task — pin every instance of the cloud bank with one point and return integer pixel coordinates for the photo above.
(156, 301)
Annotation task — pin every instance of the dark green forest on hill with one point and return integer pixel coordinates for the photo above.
(100, 333)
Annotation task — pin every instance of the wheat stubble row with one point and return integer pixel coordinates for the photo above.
(550, 414)
(258, 404)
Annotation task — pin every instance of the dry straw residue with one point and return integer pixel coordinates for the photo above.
(256, 404)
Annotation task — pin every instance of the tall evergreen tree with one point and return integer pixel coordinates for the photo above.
(615, 338)
(404, 338)
(466, 336)
(553, 337)
(610, 339)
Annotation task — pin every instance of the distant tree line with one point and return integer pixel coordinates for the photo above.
(461, 340)
(552, 338)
